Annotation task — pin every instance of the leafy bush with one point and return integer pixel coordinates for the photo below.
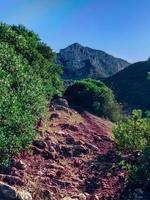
(95, 97)
(132, 137)
(133, 133)
(138, 174)
(29, 77)
(39, 56)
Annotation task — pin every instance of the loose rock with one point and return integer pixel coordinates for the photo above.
(48, 155)
(70, 140)
(66, 151)
(39, 144)
(23, 195)
(7, 191)
(18, 164)
(61, 102)
(79, 149)
(54, 116)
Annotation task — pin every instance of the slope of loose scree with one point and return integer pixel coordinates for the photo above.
(73, 158)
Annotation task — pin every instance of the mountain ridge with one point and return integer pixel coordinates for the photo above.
(84, 62)
(131, 85)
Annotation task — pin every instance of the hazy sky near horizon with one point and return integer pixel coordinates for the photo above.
(119, 27)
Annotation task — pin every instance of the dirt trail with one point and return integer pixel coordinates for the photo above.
(72, 158)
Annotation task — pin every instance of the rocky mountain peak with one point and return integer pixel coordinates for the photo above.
(76, 45)
(82, 62)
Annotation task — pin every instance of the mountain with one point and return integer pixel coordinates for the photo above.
(132, 85)
(83, 62)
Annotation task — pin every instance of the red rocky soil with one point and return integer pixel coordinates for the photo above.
(73, 158)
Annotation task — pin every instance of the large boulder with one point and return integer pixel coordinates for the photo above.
(60, 102)
(8, 192)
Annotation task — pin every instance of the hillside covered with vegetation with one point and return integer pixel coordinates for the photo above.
(29, 78)
(131, 85)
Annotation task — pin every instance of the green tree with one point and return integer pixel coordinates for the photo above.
(40, 57)
(133, 133)
(132, 138)
(95, 97)
(29, 78)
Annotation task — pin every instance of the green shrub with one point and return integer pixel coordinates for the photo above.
(39, 56)
(95, 97)
(133, 133)
(132, 137)
(29, 78)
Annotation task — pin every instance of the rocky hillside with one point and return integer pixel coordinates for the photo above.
(83, 62)
(72, 159)
(132, 86)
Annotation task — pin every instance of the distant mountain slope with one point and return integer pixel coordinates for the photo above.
(83, 62)
(131, 85)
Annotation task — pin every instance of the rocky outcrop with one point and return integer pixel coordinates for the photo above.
(83, 62)
(10, 193)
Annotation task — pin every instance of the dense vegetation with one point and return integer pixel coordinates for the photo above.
(29, 78)
(132, 136)
(134, 132)
(131, 85)
(95, 97)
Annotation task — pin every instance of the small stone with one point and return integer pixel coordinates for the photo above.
(82, 196)
(79, 149)
(62, 108)
(54, 116)
(19, 164)
(48, 155)
(70, 127)
(70, 140)
(59, 173)
(23, 195)
(46, 194)
(36, 150)
(77, 162)
(97, 138)
(51, 149)
(39, 144)
(92, 147)
(66, 151)
(67, 198)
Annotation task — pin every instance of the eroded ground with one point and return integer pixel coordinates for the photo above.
(73, 158)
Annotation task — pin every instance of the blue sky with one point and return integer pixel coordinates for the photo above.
(119, 27)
